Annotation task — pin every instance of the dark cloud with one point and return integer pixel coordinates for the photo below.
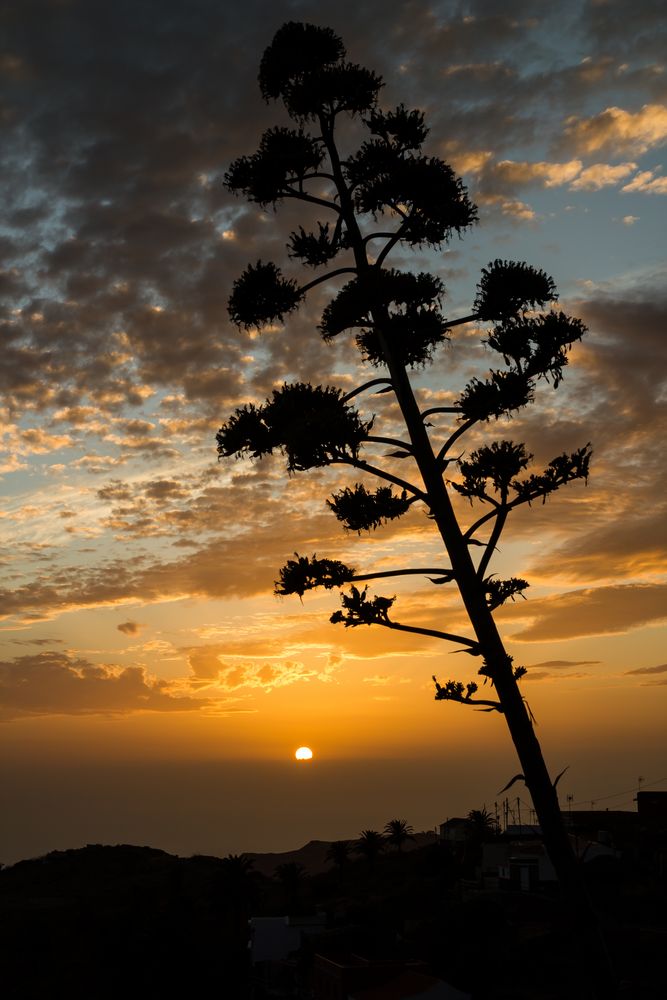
(545, 675)
(596, 611)
(129, 628)
(640, 671)
(54, 683)
(552, 668)
(631, 544)
(562, 664)
(37, 642)
(606, 27)
(125, 118)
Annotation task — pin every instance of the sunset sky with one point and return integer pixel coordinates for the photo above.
(152, 687)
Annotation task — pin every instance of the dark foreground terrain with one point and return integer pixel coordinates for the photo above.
(123, 921)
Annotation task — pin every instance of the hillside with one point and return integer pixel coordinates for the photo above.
(313, 854)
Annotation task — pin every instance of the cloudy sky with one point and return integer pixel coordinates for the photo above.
(152, 688)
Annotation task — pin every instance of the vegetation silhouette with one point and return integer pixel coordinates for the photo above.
(338, 854)
(397, 832)
(292, 876)
(482, 825)
(384, 196)
(371, 843)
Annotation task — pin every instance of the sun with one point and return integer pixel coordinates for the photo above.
(304, 753)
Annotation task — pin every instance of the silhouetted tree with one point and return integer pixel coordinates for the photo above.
(293, 877)
(237, 882)
(389, 195)
(237, 892)
(370, 844)
(338, 853)
(397, 831)
(482, 825)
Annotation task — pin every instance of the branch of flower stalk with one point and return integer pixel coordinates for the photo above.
(358, 463)
(444, 573)
(378, 236)
(500, 508)
(459, 322)
(492, 542)
(390, 244)
(392, 441)
(431, 632)
(465, 426)
(367, 385)
(453, 691)
(325, 277)
(310, 177)
(302, 196)
(440, 409)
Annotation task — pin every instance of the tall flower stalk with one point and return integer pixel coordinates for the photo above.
(387, 195)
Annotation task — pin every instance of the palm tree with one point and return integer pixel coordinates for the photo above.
(237, 893)
(397, 831)
(238, 878)
(292, 875)
(482, 825)
(338, 853)
(370, 843)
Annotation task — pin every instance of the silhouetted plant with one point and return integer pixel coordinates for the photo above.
(397, 319)
(397, 832)
(293, 877)
(238, 880)
(237, 894)
(339, 852)
(371, 843)
(482, 825)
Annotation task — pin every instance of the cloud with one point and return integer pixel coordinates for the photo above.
(213, 668)
(496, 183)
(618, 132)
(518, 174)
(129, 628)
(630, 544)
(646, 183)
(596, 611)
(552, 668)
(562, 664)
(641, 671)
(54, 683)
(544, 675)
(510, 207)
(600, 175)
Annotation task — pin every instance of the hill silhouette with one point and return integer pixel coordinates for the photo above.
(312, 856)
